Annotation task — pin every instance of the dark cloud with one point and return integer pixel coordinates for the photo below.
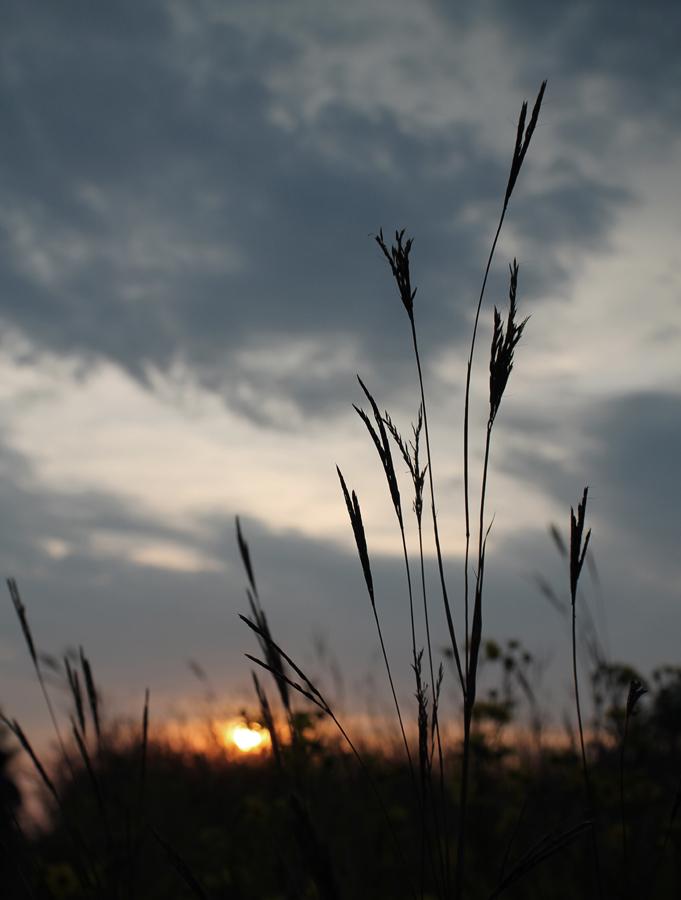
(156, 214)
(626, 448)
(583, 45)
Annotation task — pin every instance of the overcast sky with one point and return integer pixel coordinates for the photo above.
(188, 286)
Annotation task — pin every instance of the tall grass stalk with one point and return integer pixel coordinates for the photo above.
(636, 691)
(379, 436)
(502, 351)
(522, 143)
(504, 342)
(398, 260)
(20, 610)
(523, 138)
(355, 513)
(578, 547)
(579, 544)
(410, 455)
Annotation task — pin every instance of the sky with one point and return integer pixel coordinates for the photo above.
(189, 286)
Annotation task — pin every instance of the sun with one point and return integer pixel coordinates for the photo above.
(245, 737)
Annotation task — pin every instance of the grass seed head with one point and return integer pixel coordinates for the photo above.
(20, 610)
(577, 547)
(77, 694)
(410, 454)
(355, 514)
(522, 141)
(398, 260)
(380, 438)
(636, 691)
(504, 343)
(93, 697)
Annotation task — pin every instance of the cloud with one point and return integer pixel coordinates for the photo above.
(627, 64)
(49, 525)
(626, 448)
(86, 581)
(170, 203)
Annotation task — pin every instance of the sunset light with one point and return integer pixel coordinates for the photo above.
(246, 738)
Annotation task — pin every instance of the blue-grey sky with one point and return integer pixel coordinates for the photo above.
(188, 286)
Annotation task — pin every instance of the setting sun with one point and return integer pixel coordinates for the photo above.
(245, 737)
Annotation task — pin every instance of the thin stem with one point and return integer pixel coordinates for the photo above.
(463, 803)
(585, 768)
(466, 426)
(483, 492)
(445, 598)
(409, 588)
(53, 717)
(444, 834)
(471, 673)
(393, 691)
(421, 801)
(425, 613)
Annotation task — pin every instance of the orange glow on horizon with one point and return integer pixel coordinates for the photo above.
(247, 737)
